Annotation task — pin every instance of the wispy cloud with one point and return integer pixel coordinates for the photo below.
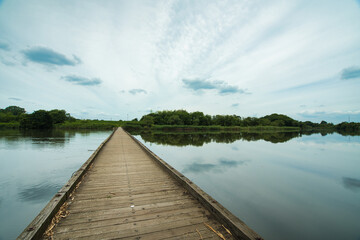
(350, 73)
(15, 99)
(222, 87)
(48, 56)
(137, 90)
(4, 46)
(78, 80)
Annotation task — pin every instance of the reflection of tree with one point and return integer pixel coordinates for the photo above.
(274, 137)
(46, 136)
(198, 139)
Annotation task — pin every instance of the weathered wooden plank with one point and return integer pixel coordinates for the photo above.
(37, 227)
(99, 215)
(128, 193)
(234, 224)
(132, 229)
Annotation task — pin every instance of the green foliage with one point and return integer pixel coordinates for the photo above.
(40, 119)
(89, 124)
(176, 120)
(11, 114)
(148, 120)
(351, 128)
(14, 110)
(58, 116)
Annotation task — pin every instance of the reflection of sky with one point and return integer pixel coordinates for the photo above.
(306, 188)
(34, 168)
(221, 165)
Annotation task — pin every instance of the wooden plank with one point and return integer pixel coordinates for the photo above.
(38, 226)
(234, 224)
(128, 193)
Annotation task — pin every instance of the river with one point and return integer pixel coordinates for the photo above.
(283, 185)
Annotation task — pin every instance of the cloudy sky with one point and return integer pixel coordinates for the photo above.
(122, 59)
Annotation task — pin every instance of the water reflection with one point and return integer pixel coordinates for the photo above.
(221, 165)
(33, 167)
(351, 183)
(38, 193)
(199, 139)
(306, 188)
(52, 138)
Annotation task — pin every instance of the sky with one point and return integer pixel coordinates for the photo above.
(123, 59)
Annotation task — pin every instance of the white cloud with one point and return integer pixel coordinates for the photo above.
(264, 47)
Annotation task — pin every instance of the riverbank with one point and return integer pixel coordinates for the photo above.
(137, 127)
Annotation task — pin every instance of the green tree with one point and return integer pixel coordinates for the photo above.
(14, 110)
(58, 116)
(147, 120)
(40, 119)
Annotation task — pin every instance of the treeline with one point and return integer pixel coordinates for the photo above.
(16, 117)
(184, 118)
(40, 119)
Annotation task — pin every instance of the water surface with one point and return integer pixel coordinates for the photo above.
(283, 185)
(34, 165)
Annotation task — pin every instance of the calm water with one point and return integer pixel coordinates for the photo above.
(33, 167)
(283, 185)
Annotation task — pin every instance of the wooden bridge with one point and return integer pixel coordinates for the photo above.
(126, 191)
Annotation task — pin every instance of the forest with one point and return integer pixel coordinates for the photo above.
(176, 120)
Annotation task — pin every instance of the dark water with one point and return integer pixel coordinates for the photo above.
(34, 165)
(283, 185)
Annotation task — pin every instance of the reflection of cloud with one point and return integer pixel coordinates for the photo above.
(38, 193)
(199, 167)
(351, 183)
(235, 148)
(230, 163)
(221, 165)
(48, 56)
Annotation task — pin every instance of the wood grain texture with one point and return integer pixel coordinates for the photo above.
(128, 194)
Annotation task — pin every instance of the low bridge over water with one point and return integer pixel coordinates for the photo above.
(125, 191)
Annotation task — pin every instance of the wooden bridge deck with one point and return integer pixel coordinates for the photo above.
(127, 194)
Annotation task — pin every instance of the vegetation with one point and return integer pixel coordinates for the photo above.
(170, 121)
